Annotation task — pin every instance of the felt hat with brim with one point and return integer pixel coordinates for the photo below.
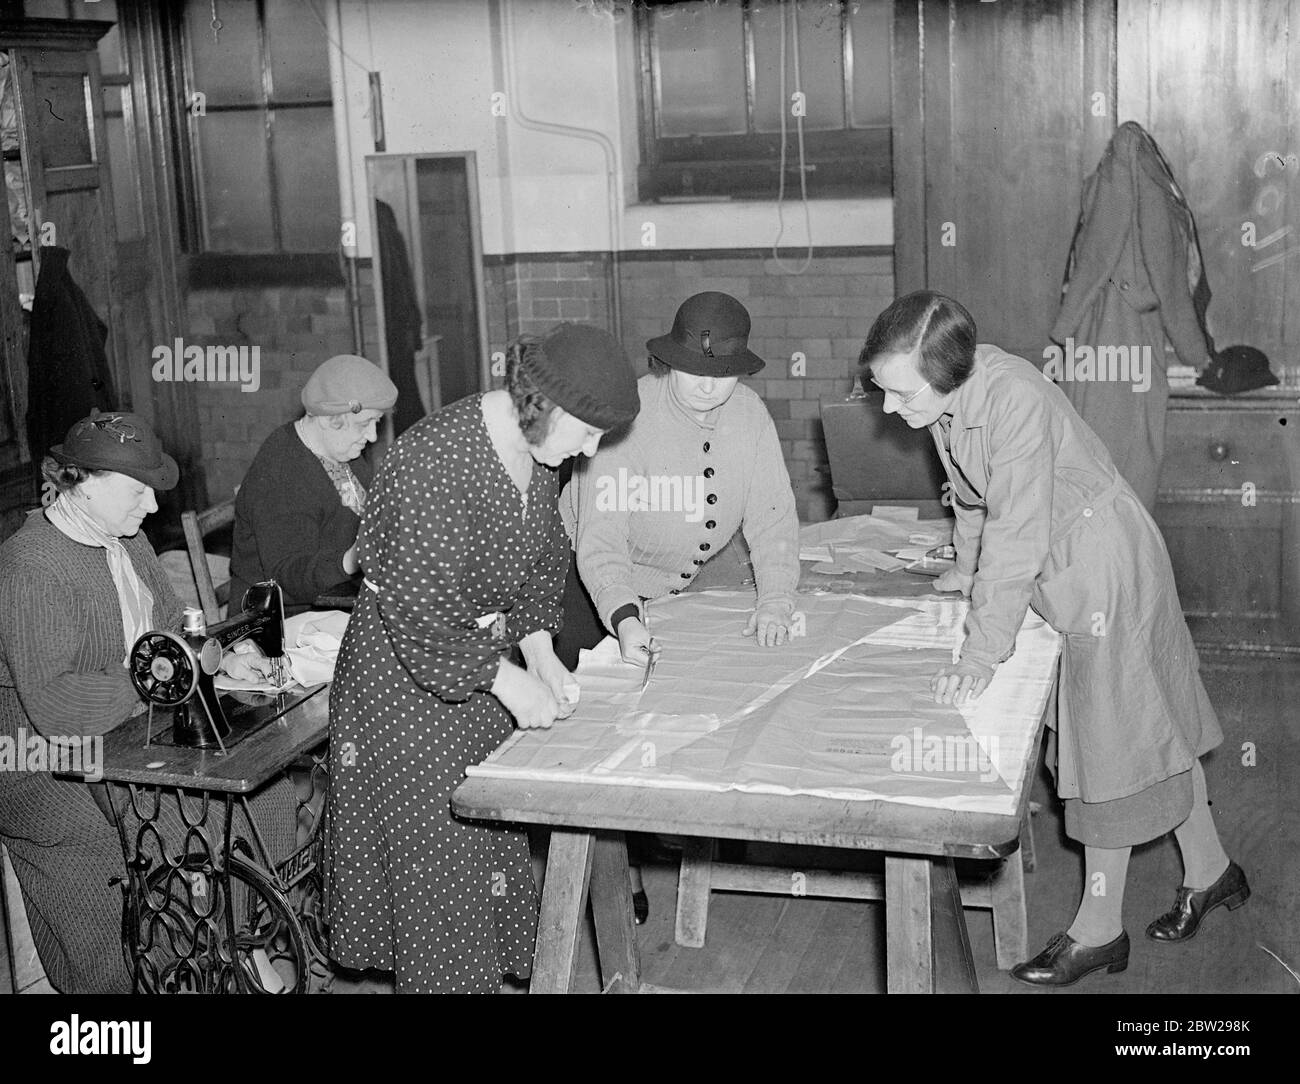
(118, 442)
(709, 337)
(1235, 369)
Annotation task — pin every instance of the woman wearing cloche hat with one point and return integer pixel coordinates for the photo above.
(464, 558)
(79, 583)
(699, 425)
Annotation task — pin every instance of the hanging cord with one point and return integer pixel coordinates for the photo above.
(803, 171)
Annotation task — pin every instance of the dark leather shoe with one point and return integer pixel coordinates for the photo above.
(640, 907)
(1064, 961)
(1181, 922)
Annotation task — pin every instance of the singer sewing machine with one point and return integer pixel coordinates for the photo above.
(175, 672)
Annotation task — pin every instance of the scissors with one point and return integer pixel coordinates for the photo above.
(935, 562)
(652, 657)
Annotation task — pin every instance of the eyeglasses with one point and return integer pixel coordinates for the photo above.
(903, 400)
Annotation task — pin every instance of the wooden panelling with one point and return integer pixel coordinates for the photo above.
(1013, 104)
(1213, 81)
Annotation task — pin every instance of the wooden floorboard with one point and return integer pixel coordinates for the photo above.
(793, 938)
(837, 943)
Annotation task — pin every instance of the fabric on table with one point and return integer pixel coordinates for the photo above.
(446, 539)
(843, 710)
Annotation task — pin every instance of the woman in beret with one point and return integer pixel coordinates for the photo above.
(299, 506)
(1045, 520)
(464, 558)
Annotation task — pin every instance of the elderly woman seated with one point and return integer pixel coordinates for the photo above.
(298, 510)
(79, 583)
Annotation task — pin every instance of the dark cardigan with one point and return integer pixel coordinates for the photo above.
(290, 525)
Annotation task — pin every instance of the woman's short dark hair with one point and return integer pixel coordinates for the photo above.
(936, 327)
(536, 412)
(657, 367)
(64, 477)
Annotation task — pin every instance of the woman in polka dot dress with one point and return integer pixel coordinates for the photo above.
(464, 558)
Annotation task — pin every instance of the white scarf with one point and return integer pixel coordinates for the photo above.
(135, 598)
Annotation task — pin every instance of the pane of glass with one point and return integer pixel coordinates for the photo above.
(45, 9)
(300, 64)
(872, 27)
(228, 70)
(234, 191)
(699, 49)
(821, 65)
(111, 60)
(306, 176)
(123, 171)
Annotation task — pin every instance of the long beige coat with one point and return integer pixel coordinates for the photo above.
(1044, 519)
(1135, 280)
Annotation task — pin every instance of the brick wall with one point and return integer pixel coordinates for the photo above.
(296, 328)
(823, 314)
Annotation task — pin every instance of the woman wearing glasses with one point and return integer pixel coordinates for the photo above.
(1045, 520)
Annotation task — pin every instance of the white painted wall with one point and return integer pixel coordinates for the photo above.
(441, 62)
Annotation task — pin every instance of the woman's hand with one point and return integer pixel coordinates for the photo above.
(633, 641)
(964, 679)
(952, 580)
(526, 697)
(770, 624)
(556, 677)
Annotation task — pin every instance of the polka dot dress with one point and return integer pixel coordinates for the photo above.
(464, 568)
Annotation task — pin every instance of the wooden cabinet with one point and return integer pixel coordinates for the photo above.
(57, 171)
(1229, 508)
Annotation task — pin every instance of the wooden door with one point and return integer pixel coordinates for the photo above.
(67, 166)
(1001, 110)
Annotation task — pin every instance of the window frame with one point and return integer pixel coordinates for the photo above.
(845, 163)
(189, 181)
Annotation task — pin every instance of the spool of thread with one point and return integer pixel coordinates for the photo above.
(194, 623)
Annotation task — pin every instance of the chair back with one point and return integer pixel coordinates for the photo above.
(197, 526)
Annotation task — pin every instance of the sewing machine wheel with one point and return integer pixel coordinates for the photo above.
(184, 929)
(162, 669)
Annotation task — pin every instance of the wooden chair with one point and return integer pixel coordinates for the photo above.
(197, 526)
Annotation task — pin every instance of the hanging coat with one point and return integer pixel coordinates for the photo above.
(1135, 279)
(67, 369)
(1044, 520)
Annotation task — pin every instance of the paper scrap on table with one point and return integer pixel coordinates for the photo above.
(899, 513)
(866, 543)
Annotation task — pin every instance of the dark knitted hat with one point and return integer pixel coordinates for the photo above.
(710, 337)
(585, 371)
(118, 442)
(1235, 369)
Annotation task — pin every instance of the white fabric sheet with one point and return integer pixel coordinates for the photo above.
(844, 711)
